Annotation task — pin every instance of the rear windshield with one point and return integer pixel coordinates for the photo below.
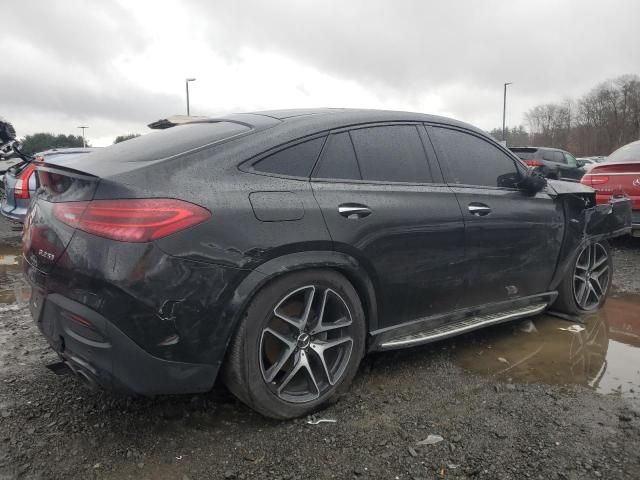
(628, 153)
(167, 143)
(524, 153)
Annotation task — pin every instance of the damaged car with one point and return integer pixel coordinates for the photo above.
(275, 249)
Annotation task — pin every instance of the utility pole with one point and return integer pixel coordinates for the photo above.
(186, 82)
(84, 142)
(504, 113)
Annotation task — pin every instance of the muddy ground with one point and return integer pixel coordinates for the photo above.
(524, 400)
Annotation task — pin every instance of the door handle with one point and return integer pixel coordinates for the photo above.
(354, 210)
(479, 209)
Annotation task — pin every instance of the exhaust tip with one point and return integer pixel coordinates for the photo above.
(87, 380)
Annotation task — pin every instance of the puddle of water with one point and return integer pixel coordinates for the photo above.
(604, 356)
(13, 288)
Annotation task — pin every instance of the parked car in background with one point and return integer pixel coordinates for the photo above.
(7, 155)
(20, 181)
(618, 175)
(550, 162)
(6, 163)
(287, 244)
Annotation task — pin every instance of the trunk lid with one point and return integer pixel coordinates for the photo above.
(614, 179)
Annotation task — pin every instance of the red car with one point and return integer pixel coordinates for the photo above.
(617, 175)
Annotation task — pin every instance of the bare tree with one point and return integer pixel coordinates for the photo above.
(604, 119)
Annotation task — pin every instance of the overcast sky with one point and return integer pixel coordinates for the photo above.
(118, 65)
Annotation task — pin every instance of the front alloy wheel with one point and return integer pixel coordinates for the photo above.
(591, 276)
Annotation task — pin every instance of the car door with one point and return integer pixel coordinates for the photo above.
(571, 168)
(512, 239)
(556, 163)
(385, 207)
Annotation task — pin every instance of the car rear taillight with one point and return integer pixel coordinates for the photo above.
(131, 220)
(595, 179)
(21, 189)
(534, 163)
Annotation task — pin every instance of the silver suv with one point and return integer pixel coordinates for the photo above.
(21, 182)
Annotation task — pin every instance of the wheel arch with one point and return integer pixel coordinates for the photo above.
(345, 264)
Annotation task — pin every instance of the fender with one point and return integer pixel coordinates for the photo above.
(586, 224)
(264, 273)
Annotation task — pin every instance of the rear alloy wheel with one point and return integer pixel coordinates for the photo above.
(587, 284)
(299, 345)
(307, 344)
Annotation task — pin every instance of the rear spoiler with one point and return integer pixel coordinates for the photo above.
(72, 172)
(174, 120)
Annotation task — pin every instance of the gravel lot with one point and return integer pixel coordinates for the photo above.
(496, 423)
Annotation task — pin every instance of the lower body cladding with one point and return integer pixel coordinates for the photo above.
(130, 317)
(635, 223)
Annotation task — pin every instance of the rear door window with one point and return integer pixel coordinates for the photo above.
(391, 153)
(470, 160)
(295, 161)
(338, 159)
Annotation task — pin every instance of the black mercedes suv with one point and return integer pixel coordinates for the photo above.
(277, 248)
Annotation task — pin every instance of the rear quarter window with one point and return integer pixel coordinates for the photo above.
(295, 161)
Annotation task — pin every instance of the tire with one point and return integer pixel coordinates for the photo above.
(274, 363)
(591, 269)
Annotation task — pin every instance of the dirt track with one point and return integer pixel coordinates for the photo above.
(534, 408)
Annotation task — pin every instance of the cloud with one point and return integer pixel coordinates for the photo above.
(118, 65)
(410, 46)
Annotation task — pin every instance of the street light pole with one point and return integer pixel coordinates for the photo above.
(504, 112)
(84, 143)
(186, 82)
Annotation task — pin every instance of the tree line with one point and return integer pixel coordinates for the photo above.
(604, 119)
(39, 142)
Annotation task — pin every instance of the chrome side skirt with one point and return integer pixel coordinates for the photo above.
(462, 326)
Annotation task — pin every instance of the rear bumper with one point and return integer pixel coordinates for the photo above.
(105, 356)
(131, 317)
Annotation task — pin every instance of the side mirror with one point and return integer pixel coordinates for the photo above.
(532, 182)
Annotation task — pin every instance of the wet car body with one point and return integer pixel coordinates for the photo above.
(156, 316)
(20, 181)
